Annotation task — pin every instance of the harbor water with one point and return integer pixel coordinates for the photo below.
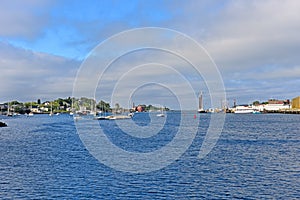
(256, 157)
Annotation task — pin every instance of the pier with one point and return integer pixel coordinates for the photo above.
(291, 111)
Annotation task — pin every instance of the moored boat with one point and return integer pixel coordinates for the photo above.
(30, 114)
(243, 109)
(161, 114)
(256, 112)
(116, 117)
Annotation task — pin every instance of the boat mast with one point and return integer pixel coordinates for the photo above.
(8, 109)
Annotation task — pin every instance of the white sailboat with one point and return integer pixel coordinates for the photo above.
(8, 111)
(102, 114)
(31, 113)
(93, 109)
(161, 114)
(102, 117)
(72, 109)
(51, 112)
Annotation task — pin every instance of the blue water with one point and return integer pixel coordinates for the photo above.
(256, 157)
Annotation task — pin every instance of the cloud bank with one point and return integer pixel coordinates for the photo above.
(255, 44)
(27, 75)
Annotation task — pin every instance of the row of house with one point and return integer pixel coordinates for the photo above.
(273, 105)
(41, 108)
(46, 107)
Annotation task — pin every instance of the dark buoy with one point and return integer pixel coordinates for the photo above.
(2, 124)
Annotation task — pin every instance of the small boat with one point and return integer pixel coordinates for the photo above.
(72, 109)
(101, 118)
(102, 115)
(161, 114)
(9, 114)
(117, 117)
(31, 113)
(201, 111)
(256, 112)
(51, 112)
(76, 118)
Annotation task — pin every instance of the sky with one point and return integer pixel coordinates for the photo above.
(254, 44)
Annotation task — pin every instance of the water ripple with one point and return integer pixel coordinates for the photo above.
(257, 157)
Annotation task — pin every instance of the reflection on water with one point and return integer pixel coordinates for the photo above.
(257, 156)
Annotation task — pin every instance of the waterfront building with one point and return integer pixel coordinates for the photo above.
(276, 105)
(259, 107)
(35, 109)
(296, 103)
(278, 102)
(44, 109)
(273, 105)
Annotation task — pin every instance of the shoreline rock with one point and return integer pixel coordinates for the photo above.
(2, 124)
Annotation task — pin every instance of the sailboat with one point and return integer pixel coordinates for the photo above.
(161, 114)
(102, 114)
(93, 109)
(51, 112)
(9, 114)
(31, 113)
(72, 109)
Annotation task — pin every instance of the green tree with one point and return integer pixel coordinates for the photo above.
(103, 106)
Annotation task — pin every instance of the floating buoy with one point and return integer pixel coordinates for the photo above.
(195, 116)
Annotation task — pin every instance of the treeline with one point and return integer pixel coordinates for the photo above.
(70, 104)
(58, 105)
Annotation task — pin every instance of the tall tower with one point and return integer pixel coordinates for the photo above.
(200, 109)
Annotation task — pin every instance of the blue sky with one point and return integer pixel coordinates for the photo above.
(255, 44)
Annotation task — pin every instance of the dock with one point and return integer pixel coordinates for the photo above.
(290, 111)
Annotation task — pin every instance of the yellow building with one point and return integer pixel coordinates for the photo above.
(296, 103)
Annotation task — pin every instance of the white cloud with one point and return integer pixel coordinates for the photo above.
(26, 74)
(23, 19)
(251, 34)
(254, 43)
